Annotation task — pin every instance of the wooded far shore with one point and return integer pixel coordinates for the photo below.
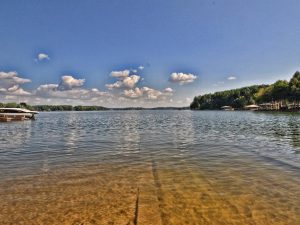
(282, 95)
(50, 108)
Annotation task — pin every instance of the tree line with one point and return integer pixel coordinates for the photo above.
(51, 107)
(281, 90)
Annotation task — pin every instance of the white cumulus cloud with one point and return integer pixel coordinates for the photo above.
(151, 93)
(44, 88)
(20, 80)
(231, 78)
(68, 82)
(12, 76)
(133, 93)
(182, 78)
(52, 91)
(169, 90)
(43, 56)
(20, 92)
(10, 83)
(8, 75)
(115, 85)
(131, 81)
(120, 74)
(13, 88)
(127, 91)
(147, 93)
(127, 82)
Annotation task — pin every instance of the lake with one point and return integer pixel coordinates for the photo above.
(151, 167)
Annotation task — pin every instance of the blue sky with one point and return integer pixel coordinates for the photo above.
(202, 43)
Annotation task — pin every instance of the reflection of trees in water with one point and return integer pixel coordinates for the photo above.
(287, 127)
(294, 131)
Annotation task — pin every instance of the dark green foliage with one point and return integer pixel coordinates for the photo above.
(276, 92)
(281, 90)
(294, 86)
(88, 108)
(237, 98)
(79, 107)
(12, 105)
(51, 107)
(195, 104)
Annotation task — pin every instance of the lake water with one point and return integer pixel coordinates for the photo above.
(151, 167)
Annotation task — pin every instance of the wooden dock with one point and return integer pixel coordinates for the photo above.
(279, 106)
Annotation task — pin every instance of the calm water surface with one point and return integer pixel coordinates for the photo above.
(151, 167)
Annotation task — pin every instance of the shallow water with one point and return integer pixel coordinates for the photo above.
(151, 167)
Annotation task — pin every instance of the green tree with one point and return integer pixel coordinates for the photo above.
(12, 105)
(195, 104)
(294, 86)
(280, 90)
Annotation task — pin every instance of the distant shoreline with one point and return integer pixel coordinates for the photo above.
(121, 109)
(78, 108)
(69, 108)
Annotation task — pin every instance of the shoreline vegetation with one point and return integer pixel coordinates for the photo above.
(53, 108)
(280, 96)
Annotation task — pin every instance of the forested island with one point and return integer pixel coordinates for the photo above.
(282, 92)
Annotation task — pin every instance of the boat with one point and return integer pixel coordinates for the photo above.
(252, 107)
(16, 114)
(227, 108)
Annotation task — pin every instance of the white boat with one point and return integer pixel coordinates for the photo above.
(252, 107)
(16, 114)
(227, 108)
